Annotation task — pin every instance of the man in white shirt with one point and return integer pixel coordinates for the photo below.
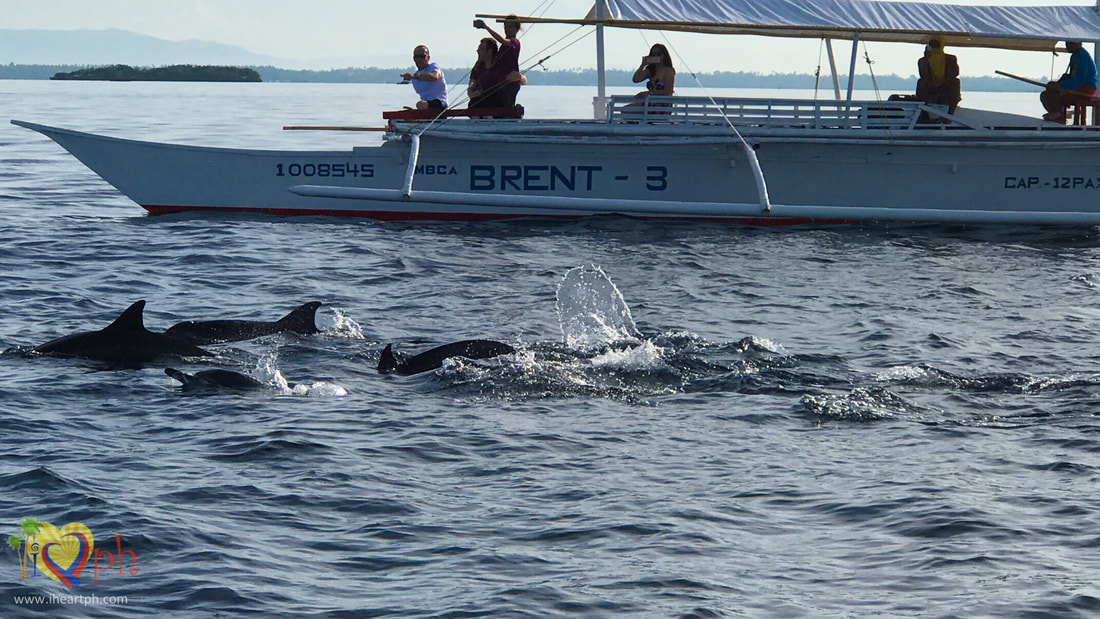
(427, 81)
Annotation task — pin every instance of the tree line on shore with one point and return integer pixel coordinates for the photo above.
(573, 77)
(171, 73)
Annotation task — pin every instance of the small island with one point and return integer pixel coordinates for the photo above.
(173, 73)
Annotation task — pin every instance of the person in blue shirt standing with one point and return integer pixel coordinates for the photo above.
(1079, 79)
(427, 81)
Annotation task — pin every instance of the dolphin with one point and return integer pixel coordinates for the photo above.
(301, 320)
(214, 380)
(432, 359)
(124, 341)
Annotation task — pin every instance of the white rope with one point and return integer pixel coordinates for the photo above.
(874, 82)
(754, 162)
(817, 73)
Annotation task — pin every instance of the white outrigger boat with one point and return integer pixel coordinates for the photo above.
(756, 161)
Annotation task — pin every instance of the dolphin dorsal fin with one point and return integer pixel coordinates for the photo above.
(387, 362)
(302, 319)
(129, 320)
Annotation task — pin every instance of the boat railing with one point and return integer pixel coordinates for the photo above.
(779, 113)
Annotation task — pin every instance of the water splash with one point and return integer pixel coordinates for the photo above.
(267, 371)
(753, 344)
(645, 356)
(334, 322)
(591, 310)
(319, 389)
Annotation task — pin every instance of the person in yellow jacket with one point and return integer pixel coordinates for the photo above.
(939, 77)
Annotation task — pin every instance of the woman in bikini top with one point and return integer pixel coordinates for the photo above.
(657, 71)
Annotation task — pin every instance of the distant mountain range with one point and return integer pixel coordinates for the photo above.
(106, 47)
(99, 47)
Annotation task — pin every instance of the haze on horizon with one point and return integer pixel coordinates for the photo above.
(327, 34)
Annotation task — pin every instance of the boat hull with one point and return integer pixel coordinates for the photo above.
(572, 170)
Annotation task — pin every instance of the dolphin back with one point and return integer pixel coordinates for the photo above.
(434, 358)
(470, 349)
(198, 332)
(125, 341)
(484, 349)
(75, 344)
(214, 380)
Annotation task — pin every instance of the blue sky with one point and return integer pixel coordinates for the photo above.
(383, 33)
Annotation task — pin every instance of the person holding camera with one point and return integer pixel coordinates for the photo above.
(503, 77)
(658, 70)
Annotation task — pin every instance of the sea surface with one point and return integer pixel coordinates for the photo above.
(699, 421)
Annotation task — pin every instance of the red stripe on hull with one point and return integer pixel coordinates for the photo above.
(160, 209)
(294, 212)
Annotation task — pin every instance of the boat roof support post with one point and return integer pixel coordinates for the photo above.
(852, 65)
(832, 67)
(1096, 44)
(599, 104)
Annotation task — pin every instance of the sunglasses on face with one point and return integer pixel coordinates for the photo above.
(417, 56)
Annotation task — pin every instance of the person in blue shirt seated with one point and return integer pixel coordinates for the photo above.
(1079, 79)
(427, 81)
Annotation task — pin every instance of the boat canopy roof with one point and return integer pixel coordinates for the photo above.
(1009, 27)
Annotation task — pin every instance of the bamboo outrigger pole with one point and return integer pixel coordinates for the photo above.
(1043, 85)
(599, 104)
(329, 128)
(1022, 79)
